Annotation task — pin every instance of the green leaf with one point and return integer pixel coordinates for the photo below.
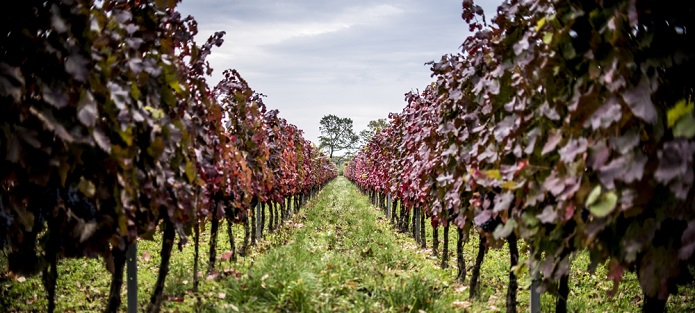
(685, 127)
(593, 195)
(506, 230)
(529, 219)
(604, 205)
(86, 187)
(508, 185)
(190, 171)
(547, 38)
(681, 108)
(155, 112)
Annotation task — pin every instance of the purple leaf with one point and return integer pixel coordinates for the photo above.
(626, 142)
(504, 128)
(482, 217)
(553, 139)
(673, 160)
(87, 109)
(639, 100)
(11, 81)
(503, 201)
(548, 216)
(549, 112)
(56, 97)
(76, 65)
(531, 140)
(598, 154)
(102, 140)
(554, 184)
(605, 115)
(572, 148)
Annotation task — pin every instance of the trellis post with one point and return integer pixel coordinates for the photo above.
(132, 283)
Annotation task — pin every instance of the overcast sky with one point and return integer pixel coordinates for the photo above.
(354, 58)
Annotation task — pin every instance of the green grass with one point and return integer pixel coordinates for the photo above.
(588, 292)
(339, 254)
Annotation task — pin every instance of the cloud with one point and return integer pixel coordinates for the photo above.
(316, 57)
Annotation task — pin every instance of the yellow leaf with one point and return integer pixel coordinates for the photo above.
(493, 174)
(540, 24)
(508, 185)
(681, 108)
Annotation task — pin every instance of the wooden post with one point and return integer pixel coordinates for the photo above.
(388, 205)
(131, 261)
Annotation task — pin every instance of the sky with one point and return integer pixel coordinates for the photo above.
(311, 58)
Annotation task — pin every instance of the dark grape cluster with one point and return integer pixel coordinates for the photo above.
(490, 224)
(79, 204)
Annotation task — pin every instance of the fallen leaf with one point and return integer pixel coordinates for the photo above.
(232, 272)
(462, 304)
(146, 256)
(221, 295)
(175, 299)
(227, 255)
(212, 276)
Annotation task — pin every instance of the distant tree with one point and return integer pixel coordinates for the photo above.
(372, 128)
(337, 134)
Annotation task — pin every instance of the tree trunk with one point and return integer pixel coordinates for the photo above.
(212, 255)
(423, 230)
(513, 285)
(394, 215)
(196, 256)
(167, 245)
(49, 278)
(283, 212)
(415, 221)
(460, 261)
(563, 293)
(232, 244)
(653, 304)
(271, 227)
(475, 275)
(403, 220)
(406, 226)
(445, 248)
(300, 203)
(416, 224)
(247, 234)
(254, 227)
(278, 209)
(435, 241)
(116, 279)
(262, 223)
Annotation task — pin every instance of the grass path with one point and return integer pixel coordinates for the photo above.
(342, 257)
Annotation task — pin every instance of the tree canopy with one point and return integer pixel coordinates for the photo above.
(336, 134)
(373, 127)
